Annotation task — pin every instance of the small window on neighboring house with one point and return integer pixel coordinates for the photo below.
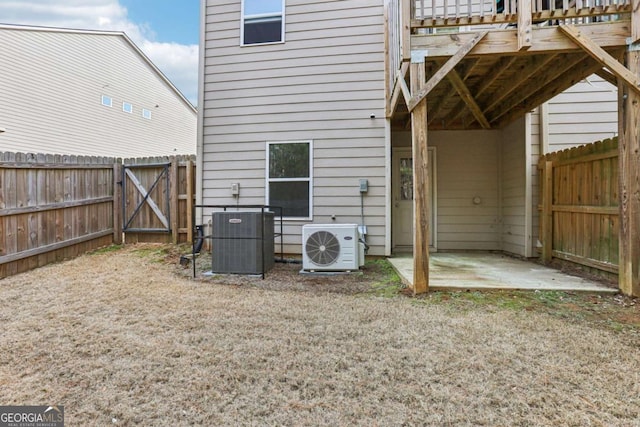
(289, 180)
(127, 107)
(106, 101)
(146, 114)
(262, 22)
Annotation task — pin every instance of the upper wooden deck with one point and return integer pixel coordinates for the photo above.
(487, 65)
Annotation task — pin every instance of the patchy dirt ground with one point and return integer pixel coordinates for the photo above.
(125, 337)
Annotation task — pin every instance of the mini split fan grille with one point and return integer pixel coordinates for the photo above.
(323, 248)
(330, 247)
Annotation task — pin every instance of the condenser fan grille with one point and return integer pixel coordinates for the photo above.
(323, 248)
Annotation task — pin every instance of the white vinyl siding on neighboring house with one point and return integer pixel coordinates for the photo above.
(83, 71)
(323, 85)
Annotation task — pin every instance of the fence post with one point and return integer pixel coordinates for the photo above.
(117, 202)
(189, 174)
(173, 199)
(546, 232)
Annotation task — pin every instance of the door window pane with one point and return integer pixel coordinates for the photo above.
(406, 178)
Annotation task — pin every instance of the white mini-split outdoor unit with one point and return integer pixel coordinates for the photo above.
(331, 247)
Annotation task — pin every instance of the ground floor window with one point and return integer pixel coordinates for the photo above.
(289, 177)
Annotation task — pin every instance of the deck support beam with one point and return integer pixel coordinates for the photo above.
(420, 183)
(505, 42)
(607, 76)
(629, 168)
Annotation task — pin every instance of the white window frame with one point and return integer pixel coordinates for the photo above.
(124, 107)
(109, 100)
(262, 15)
(309, 179)
(146, 114)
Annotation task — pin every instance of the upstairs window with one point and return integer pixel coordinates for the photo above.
(127, 107)
(106, 101)
(262, 22)
(289, 180)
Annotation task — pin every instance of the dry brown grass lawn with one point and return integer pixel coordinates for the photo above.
(119, 338)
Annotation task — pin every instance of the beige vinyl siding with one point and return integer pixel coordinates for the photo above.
(585, 113)
(321, 85)
(485, 164)
(52, 83)
(514, 231)
(536, 150)
(467, 165)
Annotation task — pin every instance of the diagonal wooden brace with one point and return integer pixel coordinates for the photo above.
(467, 97)
(602, 56)
(444, 70)
(143, 191)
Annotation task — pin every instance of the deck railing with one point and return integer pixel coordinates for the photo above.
(457, 13)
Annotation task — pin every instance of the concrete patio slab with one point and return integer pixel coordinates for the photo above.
(478, 270)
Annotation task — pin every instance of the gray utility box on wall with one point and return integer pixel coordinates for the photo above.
(242, 242)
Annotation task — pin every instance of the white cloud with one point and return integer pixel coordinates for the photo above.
(178, 62)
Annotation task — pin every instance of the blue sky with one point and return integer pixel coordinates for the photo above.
(167, 31)
(171, 20)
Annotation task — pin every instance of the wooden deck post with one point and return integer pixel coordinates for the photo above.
(629, 169)
(525, 32)
(405, 40)
(546, 227)
(420, 183)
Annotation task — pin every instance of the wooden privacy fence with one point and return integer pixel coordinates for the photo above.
(55, 207)
(579, 218)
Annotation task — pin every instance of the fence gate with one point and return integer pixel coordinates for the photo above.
(146, 199)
